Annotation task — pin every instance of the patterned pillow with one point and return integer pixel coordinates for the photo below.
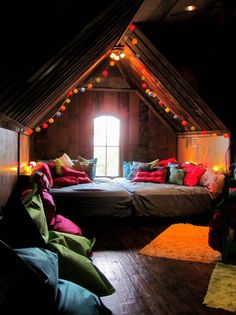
(126, 168)
(90, 161)
(213, 182)
(137, 166)
(177, 176)
(88, 168)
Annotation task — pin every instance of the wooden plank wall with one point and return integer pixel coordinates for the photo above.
(143, 135)
(8, 163)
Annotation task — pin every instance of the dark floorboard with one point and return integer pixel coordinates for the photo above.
(146, 285)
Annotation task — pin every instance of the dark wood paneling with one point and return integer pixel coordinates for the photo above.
(143, 136)
(8, 163)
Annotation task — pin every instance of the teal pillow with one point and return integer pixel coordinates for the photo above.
(76, 243)
(80, 270)
(126, 168)
(176, 176)
(73, 299)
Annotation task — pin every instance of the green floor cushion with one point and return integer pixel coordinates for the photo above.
(76, 243)
(81, 270)
(34, 206)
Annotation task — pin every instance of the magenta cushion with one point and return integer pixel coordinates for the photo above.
(154, 177)
(167, 161)
(66, 171)
(193, 175)
(62, 224)
(44, 168)
(48, 205)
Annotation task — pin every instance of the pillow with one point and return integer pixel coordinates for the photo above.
(193, 175)
(73, 299)
(42, 260)
(62, 224)
(213, 182)
(88, 168)
(154, 177)
(66, 171)
(167, 161)
(66, 161)
(34, 206)
(176, 176)
(44, 168)
(76, 243)
(91, 161)
(66, 181)
(126, 168)
(81, 270)
(136, 166)
(58, 167)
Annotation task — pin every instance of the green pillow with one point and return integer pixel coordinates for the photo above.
(176, 176)
(34, 206)
(77, 243)
(80, 270)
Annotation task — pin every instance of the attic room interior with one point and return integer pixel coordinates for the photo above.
(117, 157)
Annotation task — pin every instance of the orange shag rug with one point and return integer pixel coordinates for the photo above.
(183, 241)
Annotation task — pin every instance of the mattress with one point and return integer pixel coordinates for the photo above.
(166, 200)
(102, 197)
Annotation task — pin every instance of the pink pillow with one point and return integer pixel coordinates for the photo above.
(193, 175)
(62, 224)
(65, 181)
(44, 168)
(48, 205)
(66, 171)
(153, 177)
(167, 161)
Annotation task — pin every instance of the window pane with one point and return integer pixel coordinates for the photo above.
(112, 161)
(100, 130)
(113, 131)
(99, 153)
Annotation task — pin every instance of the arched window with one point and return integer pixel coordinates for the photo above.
(107, 145)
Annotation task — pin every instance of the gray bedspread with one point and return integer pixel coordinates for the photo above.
(102, 197)
(166, 200)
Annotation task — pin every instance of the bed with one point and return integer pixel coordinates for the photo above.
(166, 200)
(102, 197)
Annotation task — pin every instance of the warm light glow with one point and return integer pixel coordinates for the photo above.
(63, 108)
(75, 91)
(67, 100)
(32, 163)
(70, 93)
(190, 8)
(132, 27)
(45, 126)
(144, 85)
(184, 122)
(37, 129)
(134, 41)
(117, 54)
(51, 120)
(89, 86)
(214, 135)
(193, 128)
(215, 168)
(226, 135)
(167, 110)
(104, 73)
(98, 79)
(27, 170)
(112, 63)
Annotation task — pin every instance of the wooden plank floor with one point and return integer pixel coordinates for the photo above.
(147, 285)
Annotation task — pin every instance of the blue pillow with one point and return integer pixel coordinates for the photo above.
(126, 168)
(73, 299)
(91, 161)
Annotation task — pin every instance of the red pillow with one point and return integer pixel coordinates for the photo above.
(153, 177)
(66, 171)
(65, 181)
(193, 174)
(84, 180)
(167, 161)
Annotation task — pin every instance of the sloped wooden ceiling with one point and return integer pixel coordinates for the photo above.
(26, 101)
(160, 86)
